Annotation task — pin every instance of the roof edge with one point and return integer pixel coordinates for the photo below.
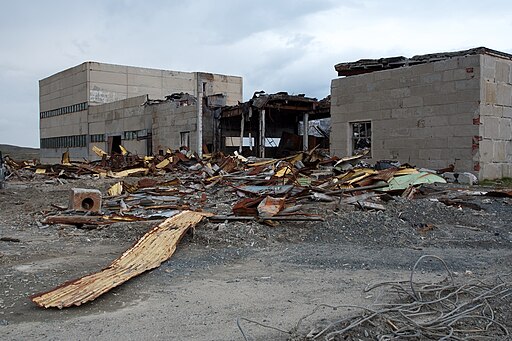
(370, 65)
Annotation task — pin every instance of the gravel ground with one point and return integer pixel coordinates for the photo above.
(274, 275)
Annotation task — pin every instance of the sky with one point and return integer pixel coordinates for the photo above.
(278, 45)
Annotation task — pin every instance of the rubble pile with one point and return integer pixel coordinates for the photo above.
(264, 190)
(268, 190)
(229, 188)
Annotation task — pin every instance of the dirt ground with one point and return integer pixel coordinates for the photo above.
(233, 270)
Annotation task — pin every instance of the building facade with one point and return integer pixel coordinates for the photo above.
(431, 111)
(98, 103)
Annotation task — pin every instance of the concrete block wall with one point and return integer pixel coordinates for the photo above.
(108, 82)
(114, 119)
(495, 137)
(230, 86)
(169, 121)
(65, 88)
(422, 114)
(63, 125)
(100, 83)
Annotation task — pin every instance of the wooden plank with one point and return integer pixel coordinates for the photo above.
(149, 252)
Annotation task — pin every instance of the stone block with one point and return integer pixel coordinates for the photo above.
(447, 64)
(488, 74)
(502, 71)
(431, 78)
(470, 60)
(491, 90)
(491, 171)
(465, 130)
(499, 151)
(464, 73)
(422, 69)
(463, 165)
(506, 170)
(82, 199)
(430, 154)
(473, 83)
(445, 87)
(507, 112)
(491, 126)
(381, 75)
(486, 150)
(504, 95)
(505, 129)
(465, 178)
(413, 101)
(400, 93)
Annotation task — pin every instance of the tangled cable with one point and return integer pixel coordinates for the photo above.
(421, 311)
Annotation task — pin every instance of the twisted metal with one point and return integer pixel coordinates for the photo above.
(431, 311)
(443, 310)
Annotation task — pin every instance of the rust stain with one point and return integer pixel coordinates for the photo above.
(149, 252)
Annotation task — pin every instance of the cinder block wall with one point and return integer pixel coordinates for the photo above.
(108, 82)
(115, 118)
(169, 121)
(65, 88)
(495, 138)
(423, 114)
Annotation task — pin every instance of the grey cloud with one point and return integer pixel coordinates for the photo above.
(274, 45)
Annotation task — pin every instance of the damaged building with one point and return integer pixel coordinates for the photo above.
(432, 110)
(274, 125)
(144, 110)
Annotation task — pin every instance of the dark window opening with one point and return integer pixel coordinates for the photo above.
(361, 137)
(185, 139)
(115, 144)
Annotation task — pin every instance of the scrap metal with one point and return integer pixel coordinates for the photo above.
(155, 247)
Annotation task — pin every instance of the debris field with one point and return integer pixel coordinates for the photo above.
(307, 247)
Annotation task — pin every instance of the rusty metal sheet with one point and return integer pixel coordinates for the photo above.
(149, 252)
(270, 206)
(247, 207)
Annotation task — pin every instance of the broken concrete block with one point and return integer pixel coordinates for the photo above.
(450, 177)
(82, 199)
(465, 178)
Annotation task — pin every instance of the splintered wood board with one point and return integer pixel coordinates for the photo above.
(155, 247)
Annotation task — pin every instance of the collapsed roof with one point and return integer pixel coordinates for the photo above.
(281, 101)
(370, 65)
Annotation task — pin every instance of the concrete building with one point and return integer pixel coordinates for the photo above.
(431, 111)
(102, 104)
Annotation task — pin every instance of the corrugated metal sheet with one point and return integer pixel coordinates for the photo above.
(149, 252)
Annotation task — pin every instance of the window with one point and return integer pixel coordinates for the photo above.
(98, 138)
(75, 141)
(64, 110)
(361, 137)
(185, 139)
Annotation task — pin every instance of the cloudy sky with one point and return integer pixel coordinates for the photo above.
(278, 45)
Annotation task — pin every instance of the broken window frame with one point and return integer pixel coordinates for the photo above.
(362, 142)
